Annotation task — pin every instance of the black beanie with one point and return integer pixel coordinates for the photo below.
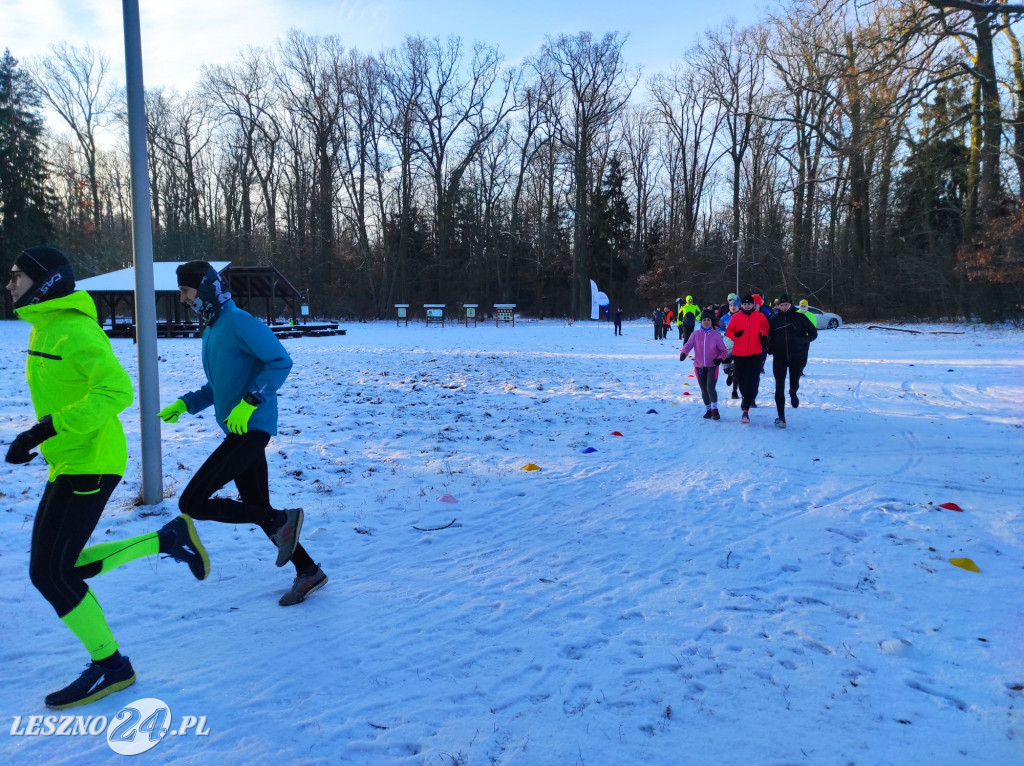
(783, 299)
(50, 271)
(191, 274)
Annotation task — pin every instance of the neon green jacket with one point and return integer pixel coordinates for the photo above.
(688, 308)
(75, 378)
(809, 315)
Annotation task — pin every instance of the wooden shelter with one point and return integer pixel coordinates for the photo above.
(264, 287)
(261, 290)
(114, 295)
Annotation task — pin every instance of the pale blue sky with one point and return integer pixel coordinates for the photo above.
(178, 36)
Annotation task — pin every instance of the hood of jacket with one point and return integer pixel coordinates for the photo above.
(38, 313)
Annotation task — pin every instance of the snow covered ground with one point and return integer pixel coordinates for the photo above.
(691, 592)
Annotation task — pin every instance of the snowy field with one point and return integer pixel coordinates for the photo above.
(690, 592)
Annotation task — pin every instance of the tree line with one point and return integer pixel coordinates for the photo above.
(867, 155)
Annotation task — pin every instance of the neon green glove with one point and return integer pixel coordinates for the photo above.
(172, 412)
(238, 418)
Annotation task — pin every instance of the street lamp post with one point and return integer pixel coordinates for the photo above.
(736, 248)
(142, 242)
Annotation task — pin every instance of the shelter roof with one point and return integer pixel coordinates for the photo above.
(164, 278)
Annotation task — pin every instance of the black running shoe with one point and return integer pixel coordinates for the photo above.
(183, 545)
(794, 399)
(745, 419)
(95, 683)
(715, 415)
(302, 586)
(708, 415)
(286, 536)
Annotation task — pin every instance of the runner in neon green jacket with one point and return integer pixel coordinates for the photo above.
(688, 317)
(78, 388)
(807, 312)
(76, 380)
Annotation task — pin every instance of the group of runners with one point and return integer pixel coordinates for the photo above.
(738, 336)
(78, 388)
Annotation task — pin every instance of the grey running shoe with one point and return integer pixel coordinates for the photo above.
(286, 536)
(745, 419)
(183, 545)
(780, 423)
(302, 586)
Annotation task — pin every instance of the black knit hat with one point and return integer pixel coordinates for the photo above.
(747, 299)
(50, 271)
(37, 262)
(783, 299)
(191, 274)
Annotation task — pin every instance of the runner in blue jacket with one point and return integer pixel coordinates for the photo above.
(245, 365)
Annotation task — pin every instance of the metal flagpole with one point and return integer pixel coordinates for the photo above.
(142, 240)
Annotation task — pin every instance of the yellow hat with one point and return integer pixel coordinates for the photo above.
(803, 303)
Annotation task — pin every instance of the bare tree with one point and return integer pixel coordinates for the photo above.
(980, 22)
(402, 74)
(313, 84)
(691, 116)
(244, 94)
(638, 137)
(732, 61)
(1017, 91)
(72, 80)
(588, 86)
(459, 112)
(364, 165)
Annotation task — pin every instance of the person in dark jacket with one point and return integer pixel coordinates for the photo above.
(245, 365)
(78, 388)
(618, 320)
(658, 317)
(749, 331)
(790, 334)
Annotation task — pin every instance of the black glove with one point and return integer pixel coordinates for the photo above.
(717, 361)
(738, 334)
(682, 357)
(18, 453)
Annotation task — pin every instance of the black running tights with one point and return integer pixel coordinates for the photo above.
(67, 515)
(240, 458)
(746, 371)
(795, 367)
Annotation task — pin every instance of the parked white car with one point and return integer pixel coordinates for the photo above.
(826, 319)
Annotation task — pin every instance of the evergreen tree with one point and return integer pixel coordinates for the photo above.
(25, 202)
(610, 231)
